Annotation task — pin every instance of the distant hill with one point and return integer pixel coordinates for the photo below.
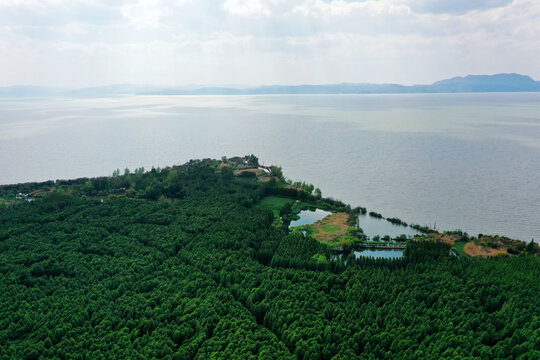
(469, 83)
(487, 83)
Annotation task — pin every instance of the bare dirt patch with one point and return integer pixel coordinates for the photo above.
(265, 179)
(337, 222)
(473, 249)
(447, 239)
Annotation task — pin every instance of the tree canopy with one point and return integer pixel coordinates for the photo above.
(178, 263)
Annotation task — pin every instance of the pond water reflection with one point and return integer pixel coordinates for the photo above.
(379, 253)
(373, 226)
(308, 217)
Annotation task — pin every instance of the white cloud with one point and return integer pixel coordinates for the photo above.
(84, 42)
(246, 7)
(144, 12)
(454, 6)
(319, 8)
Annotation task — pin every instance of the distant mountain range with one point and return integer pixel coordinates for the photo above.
(469, 83)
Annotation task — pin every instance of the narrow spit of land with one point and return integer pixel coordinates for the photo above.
(286, 199)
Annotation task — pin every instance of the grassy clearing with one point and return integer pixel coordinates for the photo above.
(274, 203)
(332, 228)
(459, 248)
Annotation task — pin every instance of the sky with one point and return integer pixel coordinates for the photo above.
(80, 43)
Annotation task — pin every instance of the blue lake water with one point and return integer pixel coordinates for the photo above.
(460, 161)
(308, 217)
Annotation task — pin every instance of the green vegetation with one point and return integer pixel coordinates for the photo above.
(303, 205)
(252, 160)
(459, 248)
(277, 172)
(309, 230)
(386, 243)
(186, 263)
(396, 221)
(375, 215)
(511, 246)
(274, 204)
(330, 228)
(422, 229)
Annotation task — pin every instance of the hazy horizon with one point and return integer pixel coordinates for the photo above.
(76, 44)
(240, 86)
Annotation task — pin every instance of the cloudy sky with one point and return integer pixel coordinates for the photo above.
(78, 43)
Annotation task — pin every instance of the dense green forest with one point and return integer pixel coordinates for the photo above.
(181, 263)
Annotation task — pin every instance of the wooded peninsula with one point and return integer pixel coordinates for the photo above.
(201, 261)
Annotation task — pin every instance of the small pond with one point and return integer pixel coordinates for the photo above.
(373, 226)
(381, 253)
(308, 217)
(375, 253)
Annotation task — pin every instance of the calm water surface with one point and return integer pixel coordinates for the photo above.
(386, 254)
(373, 226)
(308, 217)
(375, 253)
(460, 161)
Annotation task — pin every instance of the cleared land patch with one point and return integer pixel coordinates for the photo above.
(257, 172)
(274, 203)
(267, 178)
(332, 228)
(473, 249)
(447, 239)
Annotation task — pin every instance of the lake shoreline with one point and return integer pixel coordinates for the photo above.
(293, 199)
